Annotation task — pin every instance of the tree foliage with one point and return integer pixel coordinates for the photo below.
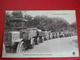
(17, 14)
(73, 25)
(28, 17)
(46, 23)
(43, 22)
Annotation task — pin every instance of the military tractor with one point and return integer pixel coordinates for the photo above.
(18, 41)
(18, 37)
(65, 33)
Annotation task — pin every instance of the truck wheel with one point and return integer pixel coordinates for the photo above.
(20, 47)
(32, 45)
(42, 39)
(37, 42)
(45, 39)
(4, 49)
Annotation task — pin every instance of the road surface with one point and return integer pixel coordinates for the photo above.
(59, 47)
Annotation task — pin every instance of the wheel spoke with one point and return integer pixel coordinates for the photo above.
(21, 47)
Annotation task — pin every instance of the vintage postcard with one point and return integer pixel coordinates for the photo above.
(40, 33)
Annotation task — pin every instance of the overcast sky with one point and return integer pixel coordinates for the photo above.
(68, 15)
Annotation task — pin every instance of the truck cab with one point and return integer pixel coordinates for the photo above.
(11, 41)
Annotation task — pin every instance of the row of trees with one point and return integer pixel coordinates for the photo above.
(42, 22)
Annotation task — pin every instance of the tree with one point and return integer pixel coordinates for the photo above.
(62, 24)
(73, 25)
(28, 17)
(39, 22)
(17, 14)
(7, 16)
(7, 23)
(46, 23)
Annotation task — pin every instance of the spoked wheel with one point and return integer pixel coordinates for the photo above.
(20, 47)
(33, 43)
(37, 41)
(4, 49)
(42, 39)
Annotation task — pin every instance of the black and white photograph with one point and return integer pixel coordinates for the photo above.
(40, 33)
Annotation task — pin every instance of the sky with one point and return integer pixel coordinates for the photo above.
(68, 15)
